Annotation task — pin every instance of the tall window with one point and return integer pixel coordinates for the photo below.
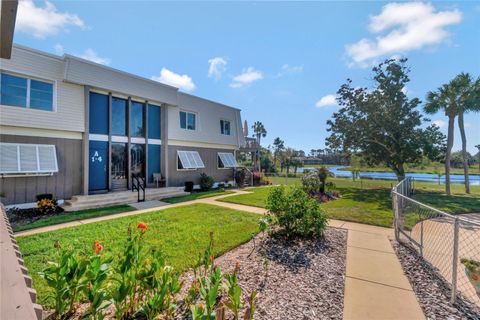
(119, 160)
(137, 126)
(26, 93)
(119, 117)
(188, 120)
(137, 159)
(153, 121)
(98, 113)
(225, 127)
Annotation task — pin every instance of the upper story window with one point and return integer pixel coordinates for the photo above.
(25, 92)
(188, 120)
(119, 117)
(154, 119)
(137, 117)
(225, 127)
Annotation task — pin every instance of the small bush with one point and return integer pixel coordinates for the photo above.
(295, 212)
(240, 176)
(311, 182)
(206, 182)
(46, 206)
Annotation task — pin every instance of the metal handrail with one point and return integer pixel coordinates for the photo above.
(138, 186)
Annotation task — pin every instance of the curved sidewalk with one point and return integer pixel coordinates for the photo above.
(375, 286)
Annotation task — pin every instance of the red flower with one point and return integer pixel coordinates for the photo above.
(212, 258)
(237, 266)
(142, 226)
(98, 247)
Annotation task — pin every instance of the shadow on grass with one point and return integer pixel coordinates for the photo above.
(381, 197)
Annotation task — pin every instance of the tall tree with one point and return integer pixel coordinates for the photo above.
(278, 145)
(259, 131)
(383, 125)
(478, 147)
(455, 98)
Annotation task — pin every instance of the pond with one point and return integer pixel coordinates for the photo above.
(429, 177)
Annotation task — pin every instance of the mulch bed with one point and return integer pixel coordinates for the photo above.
(432, 292)
(300, 279)
(20, 217)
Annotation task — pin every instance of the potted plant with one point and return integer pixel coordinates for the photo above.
(472, 269)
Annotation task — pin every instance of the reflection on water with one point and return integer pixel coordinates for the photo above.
(454, 178)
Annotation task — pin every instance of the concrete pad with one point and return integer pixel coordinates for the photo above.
(367, 300)
(234, 206)
(336, 223)
(368, 228)
(149, 204)
(370, 241)
(376, 266)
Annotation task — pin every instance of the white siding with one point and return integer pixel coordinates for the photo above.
(69, 114)
(97, 76)
(209, 115)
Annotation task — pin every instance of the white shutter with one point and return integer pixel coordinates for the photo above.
(190, 159)
(47, 158)
(28, 158)
(228, 160)
(8, 158)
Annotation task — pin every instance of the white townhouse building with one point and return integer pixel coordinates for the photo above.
(71, 127)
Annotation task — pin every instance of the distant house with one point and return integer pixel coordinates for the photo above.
(69, 127)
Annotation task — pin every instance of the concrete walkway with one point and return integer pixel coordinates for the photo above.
(375, 286)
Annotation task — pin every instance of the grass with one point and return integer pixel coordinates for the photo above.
(182, 233)
(369, 202)
(73, 216)
(197, 195)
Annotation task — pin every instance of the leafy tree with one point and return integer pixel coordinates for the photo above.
(383, 125)
(455, 98)
(478, 154)
(259, 131)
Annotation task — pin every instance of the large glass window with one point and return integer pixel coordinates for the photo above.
(188, 120)
(119, 117)
(137, 158)
(153, 121)
(14, 92)
(41, 95)
(137, 127)
(225, 127)
(98, 114)
(153, 160)
(119, 161)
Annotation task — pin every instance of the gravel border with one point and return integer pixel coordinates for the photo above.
(301, 279)
(433, 293)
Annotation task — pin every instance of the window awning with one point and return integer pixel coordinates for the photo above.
(228, 160)
(26, 159)
(190, 159)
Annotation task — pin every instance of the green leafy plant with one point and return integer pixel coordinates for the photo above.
(311, 183)
(295, 212)
(206, 182)
(46, 206)
(234, 293)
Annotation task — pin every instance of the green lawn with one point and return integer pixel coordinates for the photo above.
(369, 202)
(181, 232)
(72, 216)
(197, 195)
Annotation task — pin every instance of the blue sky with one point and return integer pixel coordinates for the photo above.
(274, 60)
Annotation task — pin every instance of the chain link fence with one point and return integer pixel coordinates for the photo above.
(441, 239)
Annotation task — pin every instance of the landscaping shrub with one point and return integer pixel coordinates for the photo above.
(46, 206)
(311, 182)
(295, 212)
(140, 284)
(206, 182)
(240, 175)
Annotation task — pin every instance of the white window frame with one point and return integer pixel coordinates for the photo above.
(186, 120)
(188, 169)
(29, 78)
(37, 172)
(230, 122)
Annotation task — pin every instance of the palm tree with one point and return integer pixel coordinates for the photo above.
(445, 98)
(259, 131)
(278, 145)
(478, 147)
(468, 100)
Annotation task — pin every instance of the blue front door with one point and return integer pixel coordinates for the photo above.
(98, 166)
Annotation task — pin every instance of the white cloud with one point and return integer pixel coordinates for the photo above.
(90, 54)
(44, 21)
(288, 69)
(183, 82)
(406, 27)
(59, 49)
(440, 123)
(248, 76)
(216, 67)
(327, 101)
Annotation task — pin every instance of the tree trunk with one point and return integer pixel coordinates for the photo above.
(451, 124)
(400, 172)
(461, 126)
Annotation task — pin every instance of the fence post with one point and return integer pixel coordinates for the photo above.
(395, 214)
(455, 260)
